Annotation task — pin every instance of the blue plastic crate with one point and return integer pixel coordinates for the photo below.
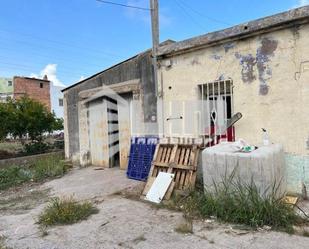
(141, 154)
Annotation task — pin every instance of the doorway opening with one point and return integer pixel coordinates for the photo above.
(113, 131)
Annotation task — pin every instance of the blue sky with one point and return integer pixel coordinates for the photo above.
(71, 39)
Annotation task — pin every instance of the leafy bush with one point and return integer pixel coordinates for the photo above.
(65, 211)
(6, 117)
(51, 166)
(59, 144)
(36, 148)
(13, 176)
(237, 202)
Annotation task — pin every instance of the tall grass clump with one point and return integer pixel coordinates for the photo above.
(65, 211)
(235, 201)
(47, 167)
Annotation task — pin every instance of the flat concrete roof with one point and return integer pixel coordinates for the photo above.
(259, 26)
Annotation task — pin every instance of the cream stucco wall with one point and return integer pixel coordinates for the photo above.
(283, 111)
(279, 60)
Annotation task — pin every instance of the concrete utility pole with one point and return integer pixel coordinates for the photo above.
(155, 39)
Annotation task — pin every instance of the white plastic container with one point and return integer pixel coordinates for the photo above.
(266, 166)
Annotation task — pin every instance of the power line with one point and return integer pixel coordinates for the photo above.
(50, 60)
(46, 47)
(203, 15)
(68, 69)
(31, 69)
(67, 44)
(183, 9)
(19, 69)
(123, 5)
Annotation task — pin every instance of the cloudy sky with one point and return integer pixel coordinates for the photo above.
(73, 39)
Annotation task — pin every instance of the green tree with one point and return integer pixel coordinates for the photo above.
(28, 117)
(6, 116)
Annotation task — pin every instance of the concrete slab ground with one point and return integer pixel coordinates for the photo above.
(121, 222)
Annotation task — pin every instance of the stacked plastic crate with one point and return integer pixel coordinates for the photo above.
(141, 154)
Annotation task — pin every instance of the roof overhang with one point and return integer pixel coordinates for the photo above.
(275, 22)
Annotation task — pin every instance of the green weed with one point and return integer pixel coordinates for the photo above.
(234, 201)
(51, 166)
(185, 228)
(65, 211)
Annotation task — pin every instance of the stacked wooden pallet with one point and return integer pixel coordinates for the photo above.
(178, 159)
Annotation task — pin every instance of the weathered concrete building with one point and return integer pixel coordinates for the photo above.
(260, 69)
(97, 123)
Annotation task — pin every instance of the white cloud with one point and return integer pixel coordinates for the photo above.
(51, 71)
(82, 78)
(301, 3)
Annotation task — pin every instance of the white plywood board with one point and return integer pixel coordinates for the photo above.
(159, 187)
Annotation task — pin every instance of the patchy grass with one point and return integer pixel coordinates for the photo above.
(306, 233)
(2, 244)
(185, 228)
(18, 202)
(240, 203)
(51, 166)
(139, 239)
(13, 176)
(12, 147)
(66, 211)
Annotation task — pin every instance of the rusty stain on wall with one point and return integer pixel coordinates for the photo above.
(261, 61)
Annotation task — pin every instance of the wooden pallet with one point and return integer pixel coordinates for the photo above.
(179, 159)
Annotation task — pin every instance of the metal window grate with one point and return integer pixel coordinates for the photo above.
(217, 109)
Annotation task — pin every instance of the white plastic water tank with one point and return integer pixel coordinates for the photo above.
(265, 165)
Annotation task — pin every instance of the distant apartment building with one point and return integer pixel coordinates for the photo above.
(41, 90)
(6, 88)
(38, 89)
(56, 100)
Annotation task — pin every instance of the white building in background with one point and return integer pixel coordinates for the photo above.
(56, 100)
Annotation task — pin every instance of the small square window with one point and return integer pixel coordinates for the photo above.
(60, 102)
(41, 85)
(10, 83)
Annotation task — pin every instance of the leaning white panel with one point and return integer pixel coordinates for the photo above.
(159, 187)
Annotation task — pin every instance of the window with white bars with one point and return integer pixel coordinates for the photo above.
(217, 110)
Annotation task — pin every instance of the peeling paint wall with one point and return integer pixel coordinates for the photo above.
(270, 74)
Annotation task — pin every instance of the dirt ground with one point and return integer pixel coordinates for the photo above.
(120, 223)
